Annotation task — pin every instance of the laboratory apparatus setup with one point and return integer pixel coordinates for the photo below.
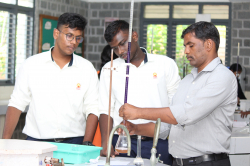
(164, 94)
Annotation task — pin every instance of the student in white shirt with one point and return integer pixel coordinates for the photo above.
(61, 89)
(153, 80)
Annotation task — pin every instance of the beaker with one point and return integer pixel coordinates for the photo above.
(122, 143)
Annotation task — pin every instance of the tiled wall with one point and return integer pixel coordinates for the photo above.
(241, 34)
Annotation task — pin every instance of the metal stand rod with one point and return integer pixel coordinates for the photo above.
(110, 90)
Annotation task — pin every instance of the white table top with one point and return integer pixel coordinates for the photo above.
(102, 161)
(237, 117)
(240, 141)
(14, 146)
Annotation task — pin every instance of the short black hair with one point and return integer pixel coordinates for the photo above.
(233, 67)
(114, 27)
(72, 20)
(203, 31)
(106, 55)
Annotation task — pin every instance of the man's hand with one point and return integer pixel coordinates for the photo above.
(132, 128)
(104, 152)
(129, 112)
(244, 114)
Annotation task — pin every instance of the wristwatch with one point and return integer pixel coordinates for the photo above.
(88, 143)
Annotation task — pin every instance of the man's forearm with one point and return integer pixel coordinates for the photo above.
(145, 129)
(154, 113)
(91, 126)
(12, 117)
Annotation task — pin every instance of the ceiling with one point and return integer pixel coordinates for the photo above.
(167, 0)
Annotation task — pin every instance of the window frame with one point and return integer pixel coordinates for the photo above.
(15, 9)
(173, 21)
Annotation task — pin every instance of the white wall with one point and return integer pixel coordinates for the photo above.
(5, 92)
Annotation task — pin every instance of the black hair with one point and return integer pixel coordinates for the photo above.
(203, 31)
(72, 20)
(233, 67)
(106, 56)
(113, 28)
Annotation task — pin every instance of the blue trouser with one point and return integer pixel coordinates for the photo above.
(146, 146)
(73, 140)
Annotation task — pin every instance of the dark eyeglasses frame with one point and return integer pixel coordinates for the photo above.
(81, 38)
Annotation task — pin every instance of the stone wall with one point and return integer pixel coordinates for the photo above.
(95, 13)
(241, 34)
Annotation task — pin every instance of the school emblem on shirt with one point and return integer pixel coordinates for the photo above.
(78, 86)
(154, 75)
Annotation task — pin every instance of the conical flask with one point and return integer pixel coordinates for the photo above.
(122, 143)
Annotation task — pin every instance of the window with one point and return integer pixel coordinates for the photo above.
(26, 3)
(16, 37)
(180, 57)
(223, 37)
(8, 2)
(159, 11)
(157, 43)
(185, 11)
(165, 32)
(217, 11)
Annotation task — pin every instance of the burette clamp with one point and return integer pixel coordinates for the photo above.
(111, 68)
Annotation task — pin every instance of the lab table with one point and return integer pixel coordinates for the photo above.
(239, 150)
(237, 117)
(240, 147)
(126, 160)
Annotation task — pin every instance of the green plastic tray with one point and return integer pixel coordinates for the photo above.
(75, 154)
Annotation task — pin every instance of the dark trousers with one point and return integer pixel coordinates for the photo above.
(223, 162)
(73, 140)
(146, 146)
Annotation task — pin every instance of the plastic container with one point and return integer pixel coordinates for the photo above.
(76, 154)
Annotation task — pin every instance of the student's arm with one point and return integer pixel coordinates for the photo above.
(103, 120)
(12, 117)
(91, 126)
(20, 98)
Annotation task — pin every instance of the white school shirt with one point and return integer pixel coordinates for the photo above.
(152, 84)
(59, 100)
